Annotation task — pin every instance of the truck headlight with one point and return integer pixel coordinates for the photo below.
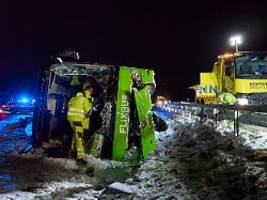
(242, 101)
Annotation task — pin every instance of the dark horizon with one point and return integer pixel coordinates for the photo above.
(178, 41)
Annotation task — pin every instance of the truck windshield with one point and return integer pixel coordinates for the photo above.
(251, 66)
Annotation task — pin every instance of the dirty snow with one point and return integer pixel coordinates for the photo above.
(12, 140)
(48, 191)
(255, 136)
(190, 163)
(153, 178)
(158, 177)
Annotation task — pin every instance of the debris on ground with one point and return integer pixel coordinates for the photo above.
(23, 123)
(14, 141)
(121, 187)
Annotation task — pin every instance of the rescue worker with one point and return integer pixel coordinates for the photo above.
(227, 98)
(79, 111)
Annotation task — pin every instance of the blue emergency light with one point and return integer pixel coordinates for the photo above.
(24, 100)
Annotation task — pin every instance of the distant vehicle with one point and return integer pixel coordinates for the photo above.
(17, 107)
(161, 101)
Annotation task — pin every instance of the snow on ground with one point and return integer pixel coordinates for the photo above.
(52, 190)
(254, 137)
(158, 177)
(225, 127)
(57, 178)
(15, 140)
(215, 163)
(155, 177)
(192, 162)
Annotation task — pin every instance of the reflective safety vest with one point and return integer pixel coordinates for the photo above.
(227, 98)
(79, 107)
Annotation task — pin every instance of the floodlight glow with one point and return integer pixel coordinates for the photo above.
(235, 41)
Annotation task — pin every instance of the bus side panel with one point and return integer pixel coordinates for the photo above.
(122, 116)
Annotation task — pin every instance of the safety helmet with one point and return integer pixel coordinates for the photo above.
(88, 93)
(88, 89)
(87, 85)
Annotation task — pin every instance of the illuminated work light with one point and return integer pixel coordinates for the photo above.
(235, 41)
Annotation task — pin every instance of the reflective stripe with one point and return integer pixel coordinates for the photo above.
(76, 114)
(76, 110)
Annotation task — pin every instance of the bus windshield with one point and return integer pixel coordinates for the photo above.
(251, 66)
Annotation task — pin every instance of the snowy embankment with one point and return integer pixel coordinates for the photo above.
(253, 136)
(159, 177)
(194, 161)
(156, 177)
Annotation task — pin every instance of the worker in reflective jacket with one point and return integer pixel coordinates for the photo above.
(227, 98)
(79, 111)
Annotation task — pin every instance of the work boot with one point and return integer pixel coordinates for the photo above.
(81, 162)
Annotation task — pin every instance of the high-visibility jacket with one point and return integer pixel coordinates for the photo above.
(227, 98)
(79, 107)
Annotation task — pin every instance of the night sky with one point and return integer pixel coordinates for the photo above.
(178, 40)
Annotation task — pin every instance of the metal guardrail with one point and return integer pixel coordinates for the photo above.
(175, 106)
(252, 108)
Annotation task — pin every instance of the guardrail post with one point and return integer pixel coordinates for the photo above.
(236, 123)
(215, 111)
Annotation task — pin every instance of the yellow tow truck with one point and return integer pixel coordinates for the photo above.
(242, 73)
